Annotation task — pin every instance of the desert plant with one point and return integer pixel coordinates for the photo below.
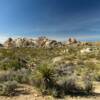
(88, 84)
(63, 69)
(21, 76)
(8, 88)
(15, 64)
(44, 75)
(97, 76)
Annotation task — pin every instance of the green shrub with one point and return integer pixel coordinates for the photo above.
(21, 76)
(43, 77)
(14, 64)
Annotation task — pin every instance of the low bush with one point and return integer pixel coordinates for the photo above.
(15, 64)
(21, 76)
(8, 88)
(61, 80)
(97, 77)
(88, 84)
(44, 79)
(68, 85)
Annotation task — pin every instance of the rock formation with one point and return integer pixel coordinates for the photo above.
(9, 43)
(23, 42)
(1, 45)
(72, 41)
(86, 50)
(41, 42)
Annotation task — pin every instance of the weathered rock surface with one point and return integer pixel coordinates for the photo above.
(10, 43)
(42, 42)
(72, 41)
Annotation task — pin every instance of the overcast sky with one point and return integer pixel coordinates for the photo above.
(57, 19)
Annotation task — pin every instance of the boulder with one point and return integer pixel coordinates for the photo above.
(1, 45)
(41, 41)
(57, 59)
(19, 42)
(86, 50)
(9, 43)
(72, 41)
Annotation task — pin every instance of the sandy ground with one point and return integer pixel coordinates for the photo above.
(30, 93)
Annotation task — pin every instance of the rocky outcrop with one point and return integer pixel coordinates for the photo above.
(72, 41)
(1, 45)
(23, 42)
(41, 42)
(47, 43)
(10, 43)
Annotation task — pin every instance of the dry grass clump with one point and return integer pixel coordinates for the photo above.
(8, 88)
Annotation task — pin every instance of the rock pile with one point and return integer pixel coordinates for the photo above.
(41, 42)
(72, 41)
(9, 43)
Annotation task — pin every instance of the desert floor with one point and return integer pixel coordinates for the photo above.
(26, 92)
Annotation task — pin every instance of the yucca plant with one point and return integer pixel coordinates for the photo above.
(44, 77)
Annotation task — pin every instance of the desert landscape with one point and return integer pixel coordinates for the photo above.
(49, 49)
(33, 69)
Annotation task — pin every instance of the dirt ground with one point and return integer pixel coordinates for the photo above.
(26, 92)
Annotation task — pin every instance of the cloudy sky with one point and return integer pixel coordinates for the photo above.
(58, 19)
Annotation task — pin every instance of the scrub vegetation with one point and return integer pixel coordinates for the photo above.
(58, 72)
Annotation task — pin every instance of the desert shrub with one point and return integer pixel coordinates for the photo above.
(66, 86)
(90, 66)
(14, 64)
(91, 55)
(70, 86)
(72, 49)
(58, 91)
(59, 81)
(97, 76)
(21, 76)
(63, 69)
(98, 56)
(88, 83)
(8, 88)
(43, 78)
